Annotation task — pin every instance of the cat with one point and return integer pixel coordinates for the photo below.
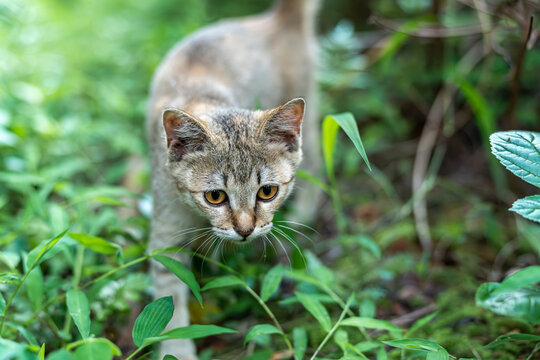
(215, 158)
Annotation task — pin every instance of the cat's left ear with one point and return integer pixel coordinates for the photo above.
(284, 124)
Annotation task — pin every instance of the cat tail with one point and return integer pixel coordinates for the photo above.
(299, 14)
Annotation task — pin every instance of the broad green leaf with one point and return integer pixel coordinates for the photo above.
(9, 278)
(79, 310)
(169, 357)
(347, 122)
(189, 332)
(370, 323)
(520, 279)
(181, 272)
(95, 243)
(153, 319)
(271, 282)
(92, 340)
(519, 152)
(381, 354)
(12, 350)
(367, 308)
(61, 354)
(223, 281)
(41, 252)
(415, 344)
(262, 329)
(34, 287)
(93, 351)
(300, 342)
(528, 207)
(521, 304)
(503, 339)
(341, 338)
(367, 346)
(316, 309)
(437, 355)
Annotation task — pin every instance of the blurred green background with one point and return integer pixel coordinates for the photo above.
(74, 80)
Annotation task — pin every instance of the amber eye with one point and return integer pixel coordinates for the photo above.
(267, 192)
(215, 197)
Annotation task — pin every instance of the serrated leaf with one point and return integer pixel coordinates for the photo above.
(223, 281)
(79, 310)
(437, 355)
(316, 309)
(520, 279)
(521, 304)
(370, 323)
(262, 329)
(189, 332)
(414, 344)
(181, 272)
(300, 342)
(519, 152)
(528, 207)
(153, 319)
(271, 282)
(95, 243)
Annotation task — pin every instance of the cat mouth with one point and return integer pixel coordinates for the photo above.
(242, 237)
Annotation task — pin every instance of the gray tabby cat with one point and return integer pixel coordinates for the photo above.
(214, 158)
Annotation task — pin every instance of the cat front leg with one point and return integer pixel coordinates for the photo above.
(167, 284)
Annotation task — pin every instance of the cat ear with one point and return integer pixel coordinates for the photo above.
(185, 133)
(284, 124)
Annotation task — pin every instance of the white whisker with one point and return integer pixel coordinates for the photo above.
(297, 223)
(296, 231)
(293, 243)
(283, 247)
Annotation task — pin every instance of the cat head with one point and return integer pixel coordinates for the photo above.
(235, 167)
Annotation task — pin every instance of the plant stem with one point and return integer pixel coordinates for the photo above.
(84, 286)
(8, 305)
(270, 314)
(334, 328)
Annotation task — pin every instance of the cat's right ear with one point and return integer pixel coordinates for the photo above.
(185, 133)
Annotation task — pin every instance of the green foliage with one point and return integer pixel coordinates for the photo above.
(74, 83)
(77, 304)
(153, 319)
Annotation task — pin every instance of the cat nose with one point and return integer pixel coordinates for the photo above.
(244, 233)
